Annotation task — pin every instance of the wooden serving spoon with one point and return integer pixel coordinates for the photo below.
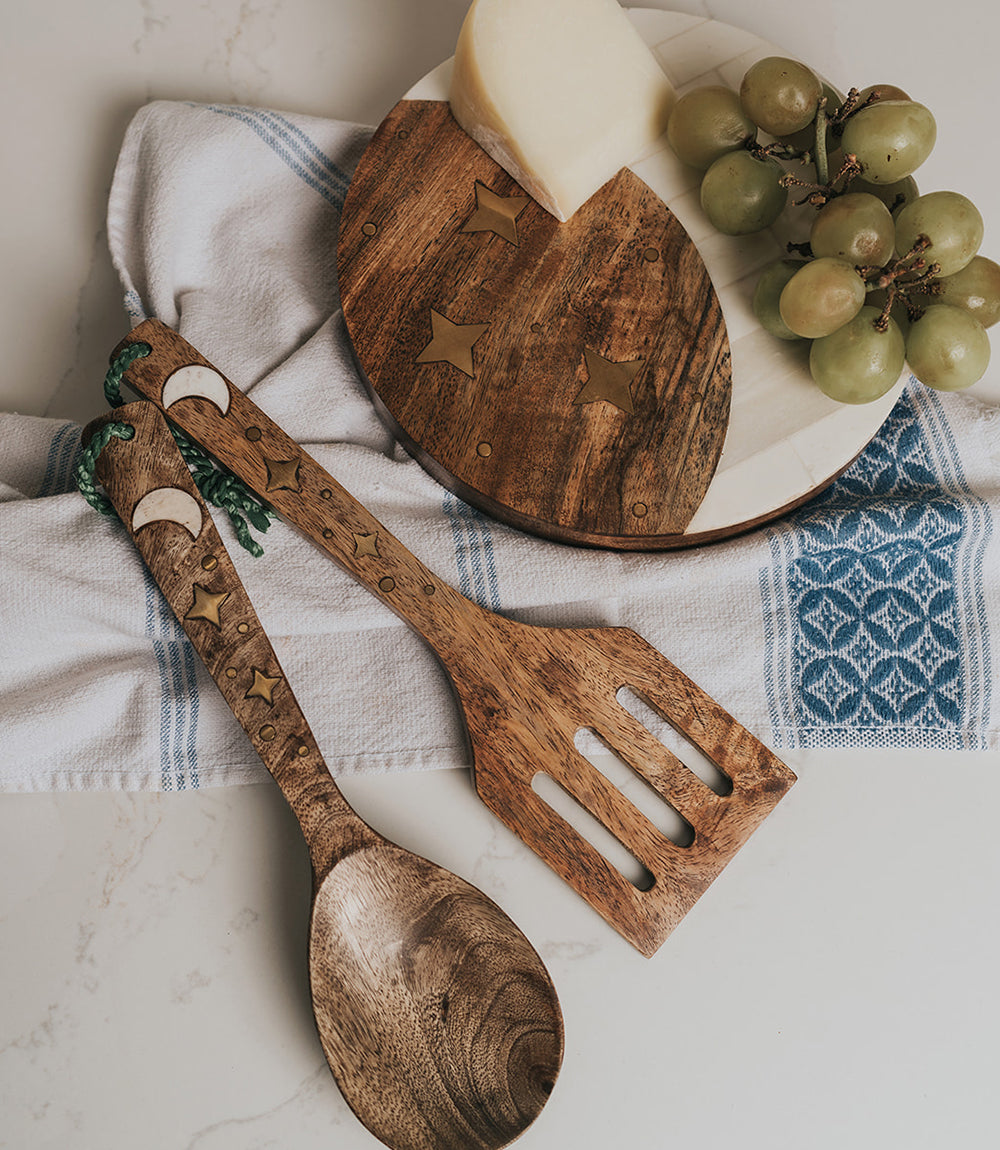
(438, 1019)
(525, 691)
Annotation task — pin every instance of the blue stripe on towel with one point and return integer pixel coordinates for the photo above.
(474, 556)
(874, 612)
(175, 660)
(62, 458)
(294, 147)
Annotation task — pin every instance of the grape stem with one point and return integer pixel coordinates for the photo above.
(901, 278)
(820, 157)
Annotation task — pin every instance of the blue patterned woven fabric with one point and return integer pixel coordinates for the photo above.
(874, 601)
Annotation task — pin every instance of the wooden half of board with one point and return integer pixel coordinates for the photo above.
(571, 379)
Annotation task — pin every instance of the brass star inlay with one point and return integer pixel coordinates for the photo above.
(366, 545)
(452, 343)
(207, 605)
(263, 687)
(497, 214)
(282, 474)
(608, 381)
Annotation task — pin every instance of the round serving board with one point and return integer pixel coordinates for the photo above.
(602, 381)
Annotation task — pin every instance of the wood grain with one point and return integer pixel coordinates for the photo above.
(516, 431)
(438, 1019)
(525, 691)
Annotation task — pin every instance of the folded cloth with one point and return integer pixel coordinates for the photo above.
(865, 619)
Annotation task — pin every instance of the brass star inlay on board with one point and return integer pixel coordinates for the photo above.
(366, 545)
(452, 343)
(263, 687)
(282, 474)
(608, 381)
(207, 605)
(497, 214)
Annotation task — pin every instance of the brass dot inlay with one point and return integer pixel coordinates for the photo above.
(387, 583)
(230, 672)
(402, 134)
(369, 229)
(253, 434)
(209, 563)
(485, 450)
(639, 510)
(428, 588)
(327, 533)
(267, 732)
(243, 628)
(536, 328)
(326, 493)
(650, 255)
(302, 749)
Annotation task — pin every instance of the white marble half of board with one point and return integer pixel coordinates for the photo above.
(785, 438)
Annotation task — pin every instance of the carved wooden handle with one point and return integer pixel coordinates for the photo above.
(219, 417)
(152, 490)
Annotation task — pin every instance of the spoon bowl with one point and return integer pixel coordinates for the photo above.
(437, 1017)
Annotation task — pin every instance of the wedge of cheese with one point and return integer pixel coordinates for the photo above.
(561, 93)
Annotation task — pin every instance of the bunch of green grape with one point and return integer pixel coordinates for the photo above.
(887, 277)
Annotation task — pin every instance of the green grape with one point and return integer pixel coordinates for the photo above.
(891, 139)
(822, 296)
(894, 195)
(780, 95)
(767, 293)
(950, 221)
(857, 363)
(805, 138)
(741, 194)
(947, 348)
(976, 288)
(885, 92)
(706, 123)
(855, 227)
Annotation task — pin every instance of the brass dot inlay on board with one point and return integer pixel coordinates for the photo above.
(402, 134)
(536, 328)
(243, 628)
(428, 588)
(230, 672)
(327, 533)
(302, 749)
(639, 510)
(650, 255)
(209, 563)
(326, 493)
(369, 229)
(267, 732)
(485, 450)
(387, 583)
(253, 434)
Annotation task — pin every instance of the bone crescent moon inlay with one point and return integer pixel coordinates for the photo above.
(195, 380)
(168, 503)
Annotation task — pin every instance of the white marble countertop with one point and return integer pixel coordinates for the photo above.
(836, 986)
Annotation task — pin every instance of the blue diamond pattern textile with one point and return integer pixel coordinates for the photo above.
(873, 601)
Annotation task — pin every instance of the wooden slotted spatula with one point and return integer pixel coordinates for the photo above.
(525, 690)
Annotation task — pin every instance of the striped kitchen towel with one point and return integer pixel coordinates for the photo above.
(869, 618)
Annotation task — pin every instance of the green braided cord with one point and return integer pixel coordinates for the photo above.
(224, 490)
(217, 484)
(84, 473)
(122, 362)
